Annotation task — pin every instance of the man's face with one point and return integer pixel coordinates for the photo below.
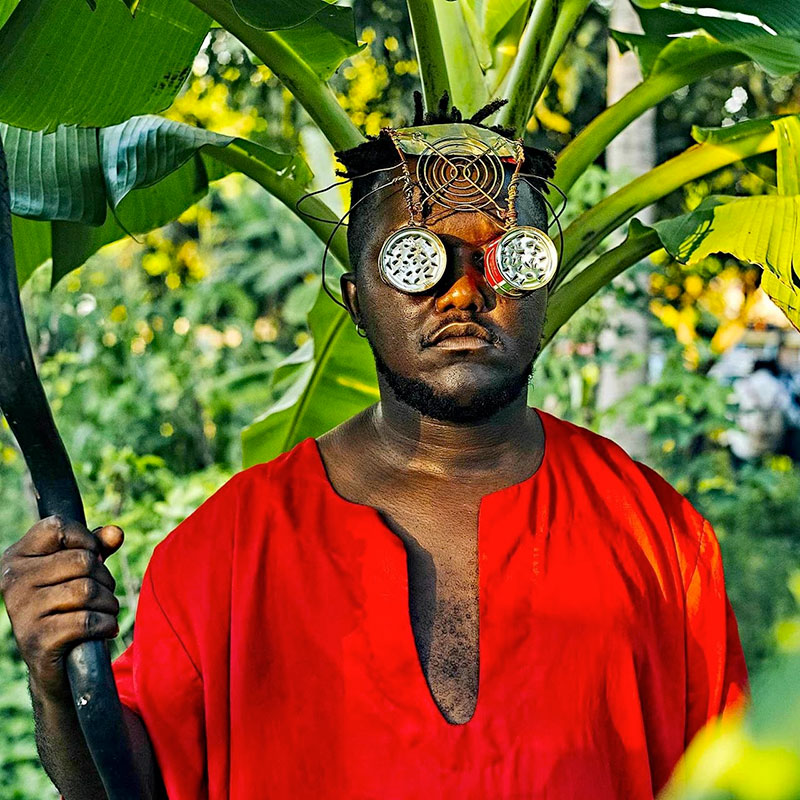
(458, 351)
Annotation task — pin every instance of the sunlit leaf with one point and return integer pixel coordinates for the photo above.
(335, 383)
(768, 33)
(95, 68)
(762, 230)
(6, 7)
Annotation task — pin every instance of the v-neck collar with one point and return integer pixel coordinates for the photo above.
(501, 601)
(311, 446)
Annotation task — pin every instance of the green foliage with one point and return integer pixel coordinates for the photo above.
(767, 33)
(155, 363)
(103, 67)
(762, 230)
(86, 172)
(325, 385)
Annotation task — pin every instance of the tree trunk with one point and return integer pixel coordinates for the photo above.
(632, 153)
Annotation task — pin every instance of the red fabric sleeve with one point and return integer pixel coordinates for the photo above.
(123, 675)
(158, 680)
(717, 681)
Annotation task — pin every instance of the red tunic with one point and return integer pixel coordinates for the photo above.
(274, 658)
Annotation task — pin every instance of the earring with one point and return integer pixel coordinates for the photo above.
(360, 331)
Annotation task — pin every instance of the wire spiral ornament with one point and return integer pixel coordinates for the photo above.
(460, 174)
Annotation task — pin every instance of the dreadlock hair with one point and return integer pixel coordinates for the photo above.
(379, 153)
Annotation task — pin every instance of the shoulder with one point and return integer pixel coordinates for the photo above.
(200, 550)
(247, 495)
(608, 477)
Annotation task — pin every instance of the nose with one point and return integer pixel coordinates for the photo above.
(468, 289)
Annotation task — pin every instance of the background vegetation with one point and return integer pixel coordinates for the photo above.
(158, 352)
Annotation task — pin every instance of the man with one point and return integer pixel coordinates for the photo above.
(451, 594)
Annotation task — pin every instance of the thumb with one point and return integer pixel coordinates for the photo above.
(110, 538)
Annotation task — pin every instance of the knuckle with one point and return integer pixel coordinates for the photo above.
(57, 522)
(8, 573)
(88, 589)
(86, 559)
(88, 623)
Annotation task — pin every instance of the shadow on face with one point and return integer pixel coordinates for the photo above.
(445, 378)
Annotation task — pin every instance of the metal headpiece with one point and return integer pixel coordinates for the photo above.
(461, 167)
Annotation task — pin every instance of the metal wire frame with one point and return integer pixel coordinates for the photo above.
(341, 221)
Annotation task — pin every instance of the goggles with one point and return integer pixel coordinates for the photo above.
(462, 167)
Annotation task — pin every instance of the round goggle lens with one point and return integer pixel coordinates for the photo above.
(412, 260)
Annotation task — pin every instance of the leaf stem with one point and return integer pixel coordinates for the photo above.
(288, 192)
(308, 88)
(567, 299)
(588, 230)
(596, 136)
(430, 51)
(549, 27)
(464, 74)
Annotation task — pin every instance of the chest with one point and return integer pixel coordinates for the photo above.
(441, 543)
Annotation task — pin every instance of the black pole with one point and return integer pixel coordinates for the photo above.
(24, 404)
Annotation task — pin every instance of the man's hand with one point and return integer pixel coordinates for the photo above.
(58, 592)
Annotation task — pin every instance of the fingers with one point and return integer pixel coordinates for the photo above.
(69, 565)
(61, 631)
(53, 534)
(58, 593)
(78, 594)
(110, 538)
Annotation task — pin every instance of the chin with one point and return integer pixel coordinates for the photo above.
(459, 395)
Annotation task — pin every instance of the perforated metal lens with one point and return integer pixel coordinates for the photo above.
(525, 258)
(412, 260)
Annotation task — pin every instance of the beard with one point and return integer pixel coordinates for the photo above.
(429, 402)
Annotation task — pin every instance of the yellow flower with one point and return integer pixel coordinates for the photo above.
(118, 314)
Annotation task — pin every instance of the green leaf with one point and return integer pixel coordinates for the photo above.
(732, 133)
(149, 170)
(668, 64)
(767, 35)
(478, 35)
(274, 15)
(6, 8)
(325, 40)
(140, 211)
(102, 66)
(338, 382)
(646, 48)
(55, 175)
(490, 17)
(31, 245)
(788, 129)
(778, 15)
(762, 230)
(467, 84)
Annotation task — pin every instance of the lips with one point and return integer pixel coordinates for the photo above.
(469, 334)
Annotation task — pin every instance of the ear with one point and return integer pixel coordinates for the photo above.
(347, 283)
